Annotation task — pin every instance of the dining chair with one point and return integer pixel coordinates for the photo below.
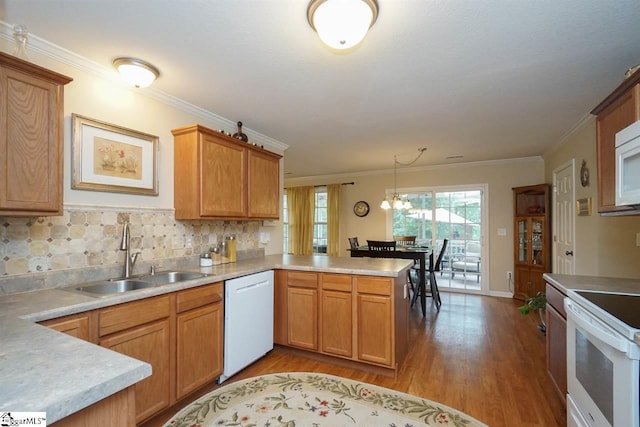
(405, 240)
(353, 242)
(381, 245)
(433, 283)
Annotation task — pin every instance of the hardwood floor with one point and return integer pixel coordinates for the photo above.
(478, 355)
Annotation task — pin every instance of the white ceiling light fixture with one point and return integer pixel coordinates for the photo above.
(342, 24)
(396, 201)
(136, 72)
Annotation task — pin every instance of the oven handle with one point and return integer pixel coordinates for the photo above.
(595, 327)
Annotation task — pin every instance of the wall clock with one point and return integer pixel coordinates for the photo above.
(584, 174)
(361, 208)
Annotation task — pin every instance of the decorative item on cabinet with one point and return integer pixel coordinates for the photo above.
(32, 183)
(531, 247)
(239, 135)
(617, 111)
(217, 176)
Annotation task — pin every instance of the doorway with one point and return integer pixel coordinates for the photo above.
(458, 215)
(564, 219)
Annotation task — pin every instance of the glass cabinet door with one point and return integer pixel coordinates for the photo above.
(523, 241)
(537, 241)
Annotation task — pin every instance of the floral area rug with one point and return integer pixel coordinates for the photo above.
(312, 399)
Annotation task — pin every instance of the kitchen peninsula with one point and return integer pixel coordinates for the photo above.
(44, 370)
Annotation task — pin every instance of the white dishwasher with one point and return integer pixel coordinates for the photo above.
(248, 321)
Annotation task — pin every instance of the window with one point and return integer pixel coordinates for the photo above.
(319, 225)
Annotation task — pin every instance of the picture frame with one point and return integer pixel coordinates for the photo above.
(111, 158)
(583, 206)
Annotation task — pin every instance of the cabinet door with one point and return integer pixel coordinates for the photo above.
(374, 329)
(223, 178)
(336, 323)
(149, 343)
(538, 242)
(522, 242)
(557, 349)
(302, 318)
(199, 348)
(30, 143)
(76, 325)
(264, 185)
(614, 118)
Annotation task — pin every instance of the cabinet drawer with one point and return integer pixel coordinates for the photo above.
(555, 299)
(125, 316)
(302, 279)
(373, 285)
(197, 297)
(336, 282)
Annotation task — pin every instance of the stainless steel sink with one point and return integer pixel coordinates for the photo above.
(171, 277)
(117, 286)
(110, 287)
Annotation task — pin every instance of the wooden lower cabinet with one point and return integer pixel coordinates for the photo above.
(375, 330)
(528, 282)
(359, 318)
(76, 325)
(302, 316)
(149, 343)
(557, 339)
(336, 315)
(118, 409)
(199, 338)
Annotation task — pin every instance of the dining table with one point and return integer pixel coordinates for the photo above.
(422, 254)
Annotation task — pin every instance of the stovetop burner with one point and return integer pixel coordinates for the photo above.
(624, 307)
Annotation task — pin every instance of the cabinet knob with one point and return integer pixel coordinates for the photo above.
(569, 253)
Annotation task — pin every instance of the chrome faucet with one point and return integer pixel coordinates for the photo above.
(125, 245)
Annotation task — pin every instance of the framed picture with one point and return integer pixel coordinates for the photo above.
(583, 206)
(112, 158)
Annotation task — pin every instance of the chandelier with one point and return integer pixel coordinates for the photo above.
(396, 201)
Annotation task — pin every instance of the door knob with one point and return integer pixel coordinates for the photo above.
(569, 253)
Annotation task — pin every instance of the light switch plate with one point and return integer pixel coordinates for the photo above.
(502, 231)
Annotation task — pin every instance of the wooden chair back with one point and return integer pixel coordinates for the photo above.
(381, 245)
(436, 267)
(405, 240)
(353, 242)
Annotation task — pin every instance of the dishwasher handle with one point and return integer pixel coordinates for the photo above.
(595, 327)
(250, 286)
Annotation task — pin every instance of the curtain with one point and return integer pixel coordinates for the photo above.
(334, 192)
(301, 207)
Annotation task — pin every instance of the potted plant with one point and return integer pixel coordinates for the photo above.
(536, 303)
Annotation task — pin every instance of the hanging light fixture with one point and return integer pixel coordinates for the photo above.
(396, 201)
(342, 24)
(136, 72)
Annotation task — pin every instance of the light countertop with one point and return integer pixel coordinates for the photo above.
(45, 370)
(564, 282)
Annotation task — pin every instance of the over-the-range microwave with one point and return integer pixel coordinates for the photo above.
(628, 166)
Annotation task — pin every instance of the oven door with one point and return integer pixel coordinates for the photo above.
(602, 379)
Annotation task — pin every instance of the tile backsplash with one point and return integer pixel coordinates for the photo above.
(85, 236)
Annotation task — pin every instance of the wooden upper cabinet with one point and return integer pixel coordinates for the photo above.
(31, 131)
(620, 109)
(264, 185)
(216, 176)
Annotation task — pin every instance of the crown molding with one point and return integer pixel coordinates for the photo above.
(57, 53)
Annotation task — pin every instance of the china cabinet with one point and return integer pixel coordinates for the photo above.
(31, 119)
(531, 250)
(620, 109)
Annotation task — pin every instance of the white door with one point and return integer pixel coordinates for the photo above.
(563, 219)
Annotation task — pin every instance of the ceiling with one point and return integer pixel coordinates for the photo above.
(489, 79)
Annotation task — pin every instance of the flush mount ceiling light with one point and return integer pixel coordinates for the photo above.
(136, 72)
(396, 201)
(342, 24)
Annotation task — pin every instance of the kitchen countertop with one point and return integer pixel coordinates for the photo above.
(564, 282)
(45, 370)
